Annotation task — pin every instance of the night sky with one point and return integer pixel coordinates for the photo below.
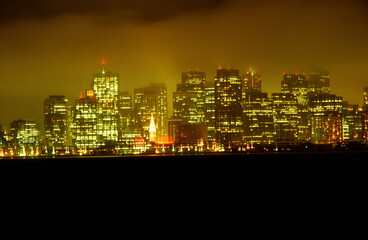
(54, 47)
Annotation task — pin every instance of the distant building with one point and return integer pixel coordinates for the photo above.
(228, 109)
(25, 136)
(295, 84)
(106, 91)
(352, 123)
(125, 109)
(286, 117)
(56, 122)
(318, 83)
(252, 82)
(210, 115)
(325, 119)
(365, 95)
(147, 101)
(189, 98)
(85, 133)
(258, 118)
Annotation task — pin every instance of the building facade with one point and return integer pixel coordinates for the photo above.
(25, 137)
(106, 92)
(325, 119)
(147, 101)
(258, 118)
(228, 109)
(56, 122)
(85, 131)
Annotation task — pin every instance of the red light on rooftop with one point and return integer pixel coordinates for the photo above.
(103, 62)
(80, 95)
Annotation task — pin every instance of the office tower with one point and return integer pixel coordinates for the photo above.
(210, 111)
(1, 136)
(286, 117)
(56, 122)
(125, 111)
(106, 92)
(365, 99)
(147, 101)
(295, 84)
(365, 125)
(25, 136)
(303, 86)
(189, 98)
(85, 134)
(228, 110)
(258, 118)
(325, 119)
(352, 122)
(318, 83)
(252, 82)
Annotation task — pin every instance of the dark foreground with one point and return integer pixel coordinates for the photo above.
(190, 158)
(231, 173)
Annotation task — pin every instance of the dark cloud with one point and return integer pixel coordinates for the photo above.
(146, 10)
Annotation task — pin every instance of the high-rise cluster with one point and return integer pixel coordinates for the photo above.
(226, 113)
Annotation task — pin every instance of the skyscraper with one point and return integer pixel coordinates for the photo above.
(318, 83)
(85, 136)
(189, 98)
(258, 118)
(228, 109)
(352, 122)
(365, 98)
(325, 119)
(125, 110)
(286, 117)
(106, 92)
(25, 136)
(296, 84)
(147, 101)
(252, 82)
(56, 122)
(210, 111)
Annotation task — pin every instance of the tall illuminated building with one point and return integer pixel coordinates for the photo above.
(318, 83)
(365, 114)
(258, 118)
(252, 82)
(85, 132)
(106, 91)
(25, 136)
(352, 122)
(303, 86)
(228, 109)
(325, 119)
(286, 117)
(125, 109)
(295, 84)
(189, 98)
(56, 122)
(210, 115)
(147, 101)
(365, 98)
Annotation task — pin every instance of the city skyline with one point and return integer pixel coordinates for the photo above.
(170, 100)
(53, 48)
(230, 114)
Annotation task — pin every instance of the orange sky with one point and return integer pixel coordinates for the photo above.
(55, 49)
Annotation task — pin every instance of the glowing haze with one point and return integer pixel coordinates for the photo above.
(54, 48)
